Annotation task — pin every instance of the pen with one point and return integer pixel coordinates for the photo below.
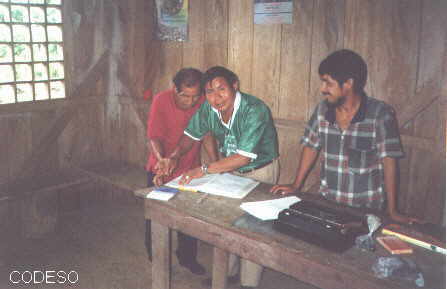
(187, 189)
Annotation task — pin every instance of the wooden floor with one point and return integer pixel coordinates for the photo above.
(104, 245)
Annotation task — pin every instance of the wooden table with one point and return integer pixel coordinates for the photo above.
(211, 221)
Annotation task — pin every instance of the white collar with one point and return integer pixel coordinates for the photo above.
(237, 103)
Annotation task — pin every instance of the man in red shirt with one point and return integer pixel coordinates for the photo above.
(168, 117)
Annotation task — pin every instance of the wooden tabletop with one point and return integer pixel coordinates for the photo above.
(212, 219)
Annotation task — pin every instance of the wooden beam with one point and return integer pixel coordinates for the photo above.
(39, 106)
(93, 74)
(139, 106)
(419, 103)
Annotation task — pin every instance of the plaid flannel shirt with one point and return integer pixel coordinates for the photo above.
(352, 168)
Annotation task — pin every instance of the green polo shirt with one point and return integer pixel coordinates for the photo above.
(250, 132)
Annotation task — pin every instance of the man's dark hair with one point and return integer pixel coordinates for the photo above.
(344, 64)
(219, 71)
(187, 77)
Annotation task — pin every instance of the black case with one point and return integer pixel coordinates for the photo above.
(320, 225)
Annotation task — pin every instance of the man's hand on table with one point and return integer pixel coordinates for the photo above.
(190, 175)
(158, 180)
(166, 166)
(283, 190)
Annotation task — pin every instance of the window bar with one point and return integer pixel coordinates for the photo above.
(13, 53)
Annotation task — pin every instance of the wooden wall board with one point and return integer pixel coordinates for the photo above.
(266, 67)
(171, 59)
(135, 134)
(193, 48)
(427, 187)
(216, 33)
(240, 41)
(380, 31)
(4, 148)
(296, 48)
(327, 36)
(20, 143)
(289, 134)
(88, 138)
(135, 45)
(68, 142)
(83, 50)
(152, 46)
(40, 121)
(67, 10)
(82, 140)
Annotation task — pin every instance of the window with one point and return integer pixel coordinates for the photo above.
(31, 51)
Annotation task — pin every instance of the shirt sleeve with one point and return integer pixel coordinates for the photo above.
(256, 121)
(387, 135)
(155, 123)
(198, 125)
(311, 137)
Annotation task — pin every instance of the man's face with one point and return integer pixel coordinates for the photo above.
(187, 97)
(330, 88)
(220, 94)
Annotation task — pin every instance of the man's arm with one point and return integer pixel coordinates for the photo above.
(223, 165)
(307, 159)
(390, 179)
(156, 148)
(210, 145)
(167, 164)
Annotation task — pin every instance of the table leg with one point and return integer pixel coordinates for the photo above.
(220, 268)
(161, 267)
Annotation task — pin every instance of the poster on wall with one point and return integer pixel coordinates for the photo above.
(172, 20)
(273, 11)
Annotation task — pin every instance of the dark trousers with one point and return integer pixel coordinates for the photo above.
(187, 245)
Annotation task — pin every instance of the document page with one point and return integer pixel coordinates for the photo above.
(162, 193)
(227, 185)
(268, 210)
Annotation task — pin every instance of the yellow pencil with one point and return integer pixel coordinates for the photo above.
(415, 241)
(186, 189)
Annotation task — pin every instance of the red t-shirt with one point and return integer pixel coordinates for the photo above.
(166, 122)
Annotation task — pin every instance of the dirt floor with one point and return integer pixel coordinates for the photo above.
(101, 247)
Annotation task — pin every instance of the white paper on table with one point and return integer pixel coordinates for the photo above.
(158, 195)
(268, 210)
(227, 185)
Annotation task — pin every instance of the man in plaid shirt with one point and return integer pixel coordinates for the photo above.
(359, 137)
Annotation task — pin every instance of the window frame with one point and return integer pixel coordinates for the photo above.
(49, 81)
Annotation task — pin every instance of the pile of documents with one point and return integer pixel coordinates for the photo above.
(227, 185)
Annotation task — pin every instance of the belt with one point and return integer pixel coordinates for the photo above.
(255, 168)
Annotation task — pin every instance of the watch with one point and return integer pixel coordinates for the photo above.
(204, 169)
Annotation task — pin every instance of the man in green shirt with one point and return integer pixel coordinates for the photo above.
(248, 142)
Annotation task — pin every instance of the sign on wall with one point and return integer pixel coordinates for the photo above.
(172, 20)
(273, 11)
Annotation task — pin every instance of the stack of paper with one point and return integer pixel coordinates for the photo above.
(227, 185)
(162, 193)
(268, 210)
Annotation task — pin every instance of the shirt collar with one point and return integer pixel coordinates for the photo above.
(237, 103)
(359, 115)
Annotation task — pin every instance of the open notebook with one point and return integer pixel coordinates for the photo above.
(227, 185)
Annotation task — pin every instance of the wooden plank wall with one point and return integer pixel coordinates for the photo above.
(403, 42)
(24, 127)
